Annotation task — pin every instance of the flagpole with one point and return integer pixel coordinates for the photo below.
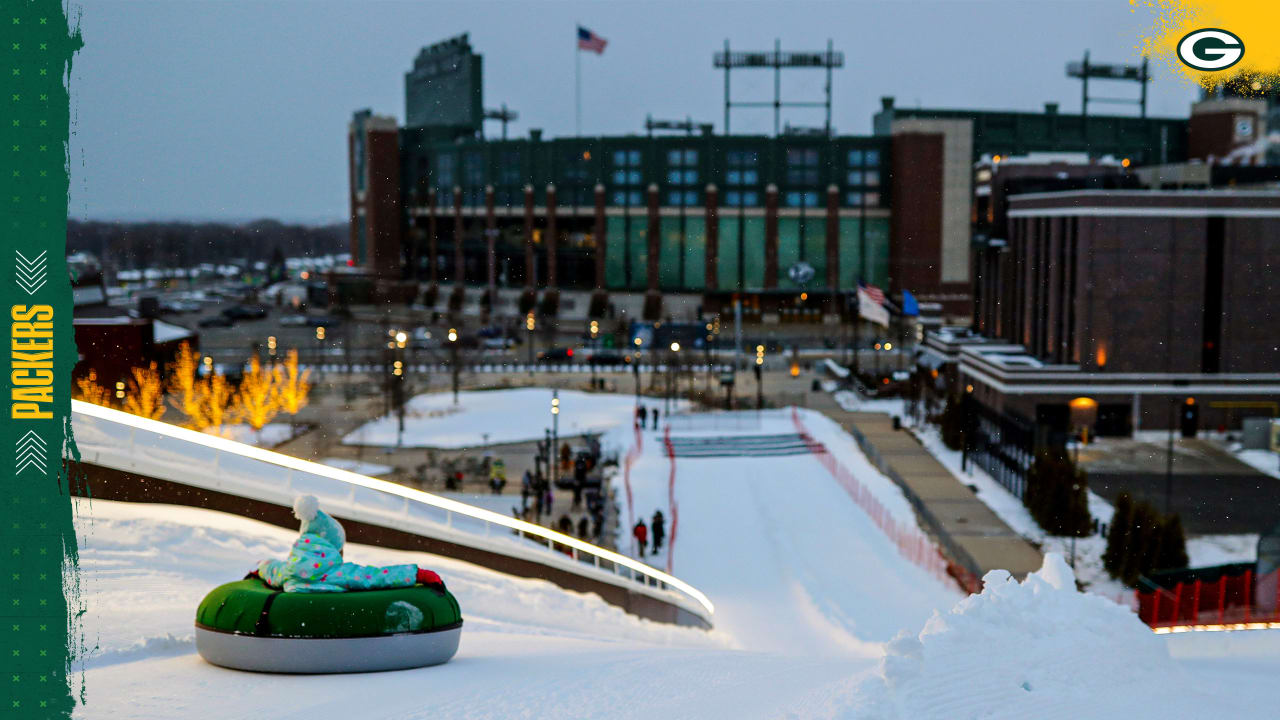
(577, 84)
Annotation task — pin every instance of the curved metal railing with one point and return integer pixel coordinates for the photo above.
(119, 440)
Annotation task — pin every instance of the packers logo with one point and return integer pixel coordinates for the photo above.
(1210, 49)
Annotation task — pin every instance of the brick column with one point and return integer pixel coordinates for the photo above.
(653, 240)
(713, 236)
(459, 262)
(551, 236)
(432, 239)
(600, 232)
(491, 240)
(530, 271)
(771, 236)
(833, 238)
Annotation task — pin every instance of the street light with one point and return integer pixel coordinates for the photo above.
(271, 347)
(530, 323)
(553, 457)
(672, 376)
(319, 350)
(759, 368)
(453, 361)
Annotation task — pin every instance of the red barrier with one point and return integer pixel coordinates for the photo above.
(1229, 600)
(912, 544)
(671, 498)
(627, 462)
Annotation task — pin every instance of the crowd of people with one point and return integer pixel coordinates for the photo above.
(537, 494)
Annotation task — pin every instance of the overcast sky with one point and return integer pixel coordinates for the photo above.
(235, 110)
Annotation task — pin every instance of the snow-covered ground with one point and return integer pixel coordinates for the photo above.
(1202, 550)
(1263, 461)
(358, 466)
(269, 436)
(817, 616)
(488, 417)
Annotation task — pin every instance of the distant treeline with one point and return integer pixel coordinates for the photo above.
(139, 245)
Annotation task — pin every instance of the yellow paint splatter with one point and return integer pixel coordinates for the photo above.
(1255, 22)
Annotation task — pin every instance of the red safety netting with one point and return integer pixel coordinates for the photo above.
(912, 544)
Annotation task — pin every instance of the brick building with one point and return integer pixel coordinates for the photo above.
(1120, 310)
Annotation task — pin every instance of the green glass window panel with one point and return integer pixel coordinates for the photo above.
(639, 252)
(669, 258)
(695, 253)
(727, 260)
(815, 249)
(788, 249)
(850, 253)
(615, 256)
(753, 252)
(878, 252)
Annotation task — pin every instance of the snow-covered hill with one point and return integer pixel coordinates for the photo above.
(818, 616)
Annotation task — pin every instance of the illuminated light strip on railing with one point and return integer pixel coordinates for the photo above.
(1168, 629)
(306, 466)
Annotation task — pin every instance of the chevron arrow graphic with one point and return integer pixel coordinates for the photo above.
(30, 451)
(31, 273)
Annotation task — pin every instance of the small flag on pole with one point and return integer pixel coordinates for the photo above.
(871, 304)
(588, 40)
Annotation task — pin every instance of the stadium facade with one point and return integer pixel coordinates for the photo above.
(767, 220)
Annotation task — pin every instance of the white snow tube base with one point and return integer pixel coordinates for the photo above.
(327, 655)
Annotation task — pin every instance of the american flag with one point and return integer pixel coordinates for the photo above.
(588, 40)
(872, 292)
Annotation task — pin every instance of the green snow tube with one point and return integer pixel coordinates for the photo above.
(247, 625)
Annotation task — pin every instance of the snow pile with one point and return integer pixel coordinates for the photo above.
(488, 417)
(1033, 649)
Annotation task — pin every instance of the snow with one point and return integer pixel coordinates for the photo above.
(812, 601)
(358, 466)
(167, 332)
(488, 417)
(787, 556)
(1202, 551)
(1263, 461)
(269, 436)
(1047, 651)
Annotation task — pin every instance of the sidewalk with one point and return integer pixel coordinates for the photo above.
(968, 522)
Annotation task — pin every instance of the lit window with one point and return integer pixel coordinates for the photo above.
(873, 157)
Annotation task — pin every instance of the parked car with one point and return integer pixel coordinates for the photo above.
(500, 343)
(245, 312)
(556, 355)
(216, 321)
(294, 321)
(493, 331)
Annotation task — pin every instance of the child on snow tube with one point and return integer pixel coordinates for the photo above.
(315, 562)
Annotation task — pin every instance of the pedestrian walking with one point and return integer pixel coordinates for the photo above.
(641, 534)
(583, 526)
(655, 418)
(642, 416)
(526, 484)
(497, 475)
(659, 530)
